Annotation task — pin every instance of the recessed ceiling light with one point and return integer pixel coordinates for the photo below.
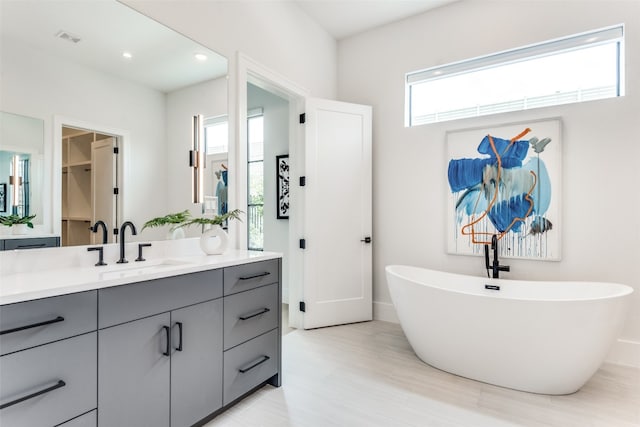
(200, 56)
(127, 55)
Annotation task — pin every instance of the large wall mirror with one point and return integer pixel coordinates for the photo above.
(99, 77)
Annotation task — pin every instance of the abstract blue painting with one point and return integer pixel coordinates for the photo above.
(506, 180)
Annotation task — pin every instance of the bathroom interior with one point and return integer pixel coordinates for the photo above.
(97, 124)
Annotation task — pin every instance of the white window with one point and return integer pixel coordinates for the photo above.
(577, 68)
(255, 196)
(216, 135)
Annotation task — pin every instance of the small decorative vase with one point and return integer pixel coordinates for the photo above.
(214, 241)
(19, 229)
(178, 233)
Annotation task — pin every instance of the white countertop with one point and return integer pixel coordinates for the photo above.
(19, 286)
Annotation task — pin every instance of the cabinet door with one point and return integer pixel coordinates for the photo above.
(134, 373)
(196, 362)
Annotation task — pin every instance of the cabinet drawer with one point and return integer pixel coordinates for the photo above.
(65, 373)
(250, 364)
(134, 301)
(249, 314)
(248, 276)
(86, 420)
(31, 243)
(32, 323)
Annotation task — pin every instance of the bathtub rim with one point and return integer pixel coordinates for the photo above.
(623, 289)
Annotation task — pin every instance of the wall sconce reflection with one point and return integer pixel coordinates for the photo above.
(15, 180)
(196, 158)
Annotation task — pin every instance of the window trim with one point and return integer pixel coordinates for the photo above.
(581, 40)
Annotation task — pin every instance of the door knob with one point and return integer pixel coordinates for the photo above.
(366, 239)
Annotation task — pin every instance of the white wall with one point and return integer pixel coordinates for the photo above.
(276, 142)
(209, 99)
(279, 35)
(36, 84)
(600, 238)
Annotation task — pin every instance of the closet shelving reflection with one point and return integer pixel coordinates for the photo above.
(77, 185)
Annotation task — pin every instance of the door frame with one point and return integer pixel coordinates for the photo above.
(122, 137)
(250, 71)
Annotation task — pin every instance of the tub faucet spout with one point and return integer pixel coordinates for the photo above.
(133, 233)
(495, 266)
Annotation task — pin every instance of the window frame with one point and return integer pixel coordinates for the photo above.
(610, 34)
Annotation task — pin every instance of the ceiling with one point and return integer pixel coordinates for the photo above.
(344, 18)
(161, 58)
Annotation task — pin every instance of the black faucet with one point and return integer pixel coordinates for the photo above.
(104, 230)
(495, 267)
(124, 225)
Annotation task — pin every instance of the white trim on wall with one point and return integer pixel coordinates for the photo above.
(250, 71)
(125, 170)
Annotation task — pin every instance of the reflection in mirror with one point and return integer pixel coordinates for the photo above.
(21, 165)
(89, 185)
(63, 63)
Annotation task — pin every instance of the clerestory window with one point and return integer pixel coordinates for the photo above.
(577, 68)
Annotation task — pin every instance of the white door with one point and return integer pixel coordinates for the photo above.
(103, 181)
(337, 279)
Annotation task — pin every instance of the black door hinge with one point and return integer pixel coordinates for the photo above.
(303, 243)
(115, 150)
(303, 181)
(116, 191)
(303, 118)
(303, 306)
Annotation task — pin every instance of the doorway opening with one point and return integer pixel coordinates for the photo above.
(90, 189)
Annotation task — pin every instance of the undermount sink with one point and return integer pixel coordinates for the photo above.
(145, 267)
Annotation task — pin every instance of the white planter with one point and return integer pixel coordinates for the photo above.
(178, 233)
(19, 229)
(214, 241)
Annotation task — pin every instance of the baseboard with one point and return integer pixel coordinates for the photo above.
(385, 311)
(625, 352)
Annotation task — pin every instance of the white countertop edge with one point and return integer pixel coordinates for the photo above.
(16, 288)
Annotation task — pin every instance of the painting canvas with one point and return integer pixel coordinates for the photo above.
(505, 180)
(282, 172)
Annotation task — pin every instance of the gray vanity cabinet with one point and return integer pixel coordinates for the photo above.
(133, 374)
(48, 367)
(196, 362)
(166, 369)
(169, 352)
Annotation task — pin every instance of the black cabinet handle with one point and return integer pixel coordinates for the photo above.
(167, 331)
(179, 347)
(254, 364)
(255, 276)
(31, 246)
(59, 384)
(34, 325)
(257, 313)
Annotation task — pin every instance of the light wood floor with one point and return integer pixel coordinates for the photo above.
(367, 375)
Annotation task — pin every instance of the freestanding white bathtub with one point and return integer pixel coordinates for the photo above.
(540, 337)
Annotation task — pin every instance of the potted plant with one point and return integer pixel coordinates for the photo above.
(17, 223)
(175, 220)
(207, 244)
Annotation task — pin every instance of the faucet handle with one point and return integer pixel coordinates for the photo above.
(140, 246)
(100, 250)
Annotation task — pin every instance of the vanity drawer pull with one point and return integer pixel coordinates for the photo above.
(35, 245)
(34, 325)
(254, 314)
(59, 384)
(254, 364)
(255, 276)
